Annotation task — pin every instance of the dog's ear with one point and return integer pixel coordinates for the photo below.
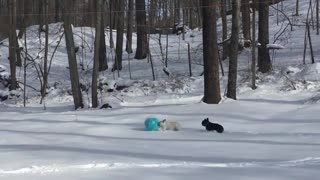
(164, 120)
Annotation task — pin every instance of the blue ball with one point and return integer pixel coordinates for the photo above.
(151, 124)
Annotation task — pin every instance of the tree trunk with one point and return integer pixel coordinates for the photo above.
(46, 48)
(74, 77)
(253, 45)
(317, 17)
(95, 73)
(233, 60)
(120, 30)
(246, 22)
(26, 18)
(210, 53)
(103, 64)
(297, 7)
(12, 43)
(57, 11)
(224, 29)
(129, 27)
(142, 39)
(264, 62)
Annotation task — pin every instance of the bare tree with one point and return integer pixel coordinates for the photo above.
(210, 53)
(233, 60)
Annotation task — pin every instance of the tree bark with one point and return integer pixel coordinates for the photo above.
(210, 53)
(233, 60)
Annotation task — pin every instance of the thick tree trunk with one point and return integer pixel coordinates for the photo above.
(72, 60)
(233, 60)
(210, 53)
(142, 39)
(264, 62)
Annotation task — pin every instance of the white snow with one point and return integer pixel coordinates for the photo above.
(270, 133)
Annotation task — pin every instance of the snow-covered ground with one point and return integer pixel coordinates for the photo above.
(270, 133)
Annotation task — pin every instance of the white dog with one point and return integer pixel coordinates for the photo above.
(169, 125)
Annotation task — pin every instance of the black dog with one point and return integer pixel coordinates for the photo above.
(212, 126)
